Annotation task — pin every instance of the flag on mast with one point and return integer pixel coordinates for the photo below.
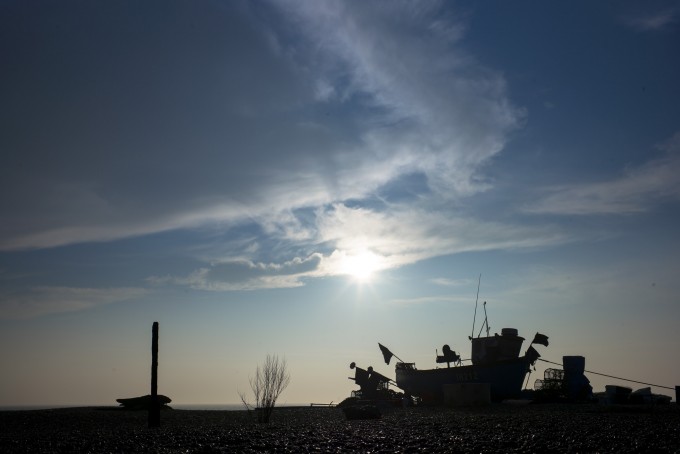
(532, 355)
(540, 339)
(387, 354)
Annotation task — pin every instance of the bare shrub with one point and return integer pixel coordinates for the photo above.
(269, 382)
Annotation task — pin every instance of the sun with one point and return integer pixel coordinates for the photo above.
(361, 266)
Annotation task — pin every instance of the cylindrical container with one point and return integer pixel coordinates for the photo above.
(574, 365)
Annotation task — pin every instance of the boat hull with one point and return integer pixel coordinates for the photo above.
(505, 379)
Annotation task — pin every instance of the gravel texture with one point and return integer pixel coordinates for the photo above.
(496, 428)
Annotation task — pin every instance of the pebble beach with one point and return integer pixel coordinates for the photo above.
(495, 428)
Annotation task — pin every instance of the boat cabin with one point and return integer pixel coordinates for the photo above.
(495, 348)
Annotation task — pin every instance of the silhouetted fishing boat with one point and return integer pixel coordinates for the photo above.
(495, 360)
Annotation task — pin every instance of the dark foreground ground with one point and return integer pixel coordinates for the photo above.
(497, 428)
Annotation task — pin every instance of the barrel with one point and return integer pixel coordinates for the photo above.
(574, 365)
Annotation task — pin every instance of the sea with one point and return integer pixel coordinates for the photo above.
(221, 407)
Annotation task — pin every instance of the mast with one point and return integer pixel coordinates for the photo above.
(479, 281)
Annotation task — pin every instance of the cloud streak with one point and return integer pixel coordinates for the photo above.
(636, 191)
(391, 239)
(322, 104)
(246, 275)
(653, 21)
(451, 113)
(45, 300)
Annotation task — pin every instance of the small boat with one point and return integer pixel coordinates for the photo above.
(374, 387)
(143, 402)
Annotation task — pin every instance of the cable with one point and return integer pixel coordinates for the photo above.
(611, 376)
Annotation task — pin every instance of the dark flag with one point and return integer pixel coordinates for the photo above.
(361, 377)
(532, 355)
(540, 339)
(386, 353)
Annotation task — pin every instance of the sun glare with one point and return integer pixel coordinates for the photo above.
(361, 266)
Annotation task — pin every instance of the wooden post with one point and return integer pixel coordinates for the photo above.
(154, 405)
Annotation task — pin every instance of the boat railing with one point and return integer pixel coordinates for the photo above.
(406, 366)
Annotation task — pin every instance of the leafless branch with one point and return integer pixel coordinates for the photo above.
(269, 382)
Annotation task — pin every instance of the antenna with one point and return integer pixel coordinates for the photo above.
(486, 322)
(479, 281)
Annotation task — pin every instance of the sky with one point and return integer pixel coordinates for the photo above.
(309, 178)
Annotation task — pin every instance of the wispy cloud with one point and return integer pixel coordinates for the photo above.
(653, 21)
(246, 275)
(448, 282)
(391, 239)
(637, 190)
(450, 112)
(44, 300)
(405, 235)
(330, 103)
(430, 300)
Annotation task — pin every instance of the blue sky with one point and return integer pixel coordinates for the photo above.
(310, 178)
